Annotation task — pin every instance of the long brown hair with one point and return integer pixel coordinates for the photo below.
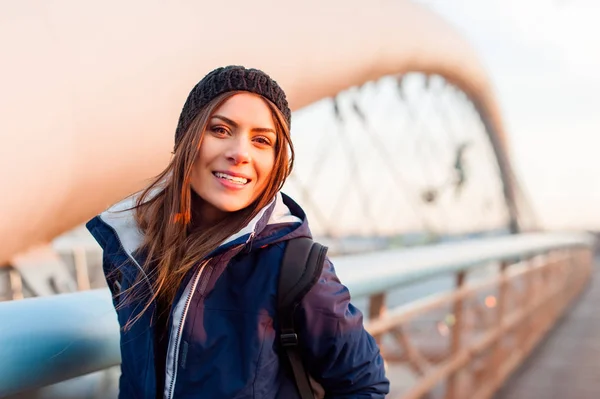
(163, 211)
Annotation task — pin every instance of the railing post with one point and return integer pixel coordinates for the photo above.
(497, 355)
(376, 308)
(452, 388)
(523, 330)
(15, 283)
(548, 308)
(565, 278)
(81, 269)
(556, 272)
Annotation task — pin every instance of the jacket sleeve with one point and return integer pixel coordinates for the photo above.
(338, 352)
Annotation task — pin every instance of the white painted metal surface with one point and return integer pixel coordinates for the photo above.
(90, 100)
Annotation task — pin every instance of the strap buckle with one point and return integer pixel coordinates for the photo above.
(289, 339)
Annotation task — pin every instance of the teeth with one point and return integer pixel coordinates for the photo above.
(239, 180)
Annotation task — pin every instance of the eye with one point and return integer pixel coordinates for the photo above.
(219, 131)
(262, 140)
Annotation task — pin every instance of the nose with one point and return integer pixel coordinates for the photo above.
(239, 152)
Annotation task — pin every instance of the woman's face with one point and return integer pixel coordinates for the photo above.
(236, 157)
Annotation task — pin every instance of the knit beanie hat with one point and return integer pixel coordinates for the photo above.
(230, 78)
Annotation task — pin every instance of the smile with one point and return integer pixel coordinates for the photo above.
(230, 178)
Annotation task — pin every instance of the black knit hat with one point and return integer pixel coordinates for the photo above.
(230, 78)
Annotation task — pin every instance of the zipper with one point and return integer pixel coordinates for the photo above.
(203, 286)
(199, 273)
(135, 262)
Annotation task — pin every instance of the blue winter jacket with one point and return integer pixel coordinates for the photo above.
(222, 328)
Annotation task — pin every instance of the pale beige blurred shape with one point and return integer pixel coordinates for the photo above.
(91, 93)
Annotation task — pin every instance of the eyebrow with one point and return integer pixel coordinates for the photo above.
(234, 124)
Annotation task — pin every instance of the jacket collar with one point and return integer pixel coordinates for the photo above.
(281, 214)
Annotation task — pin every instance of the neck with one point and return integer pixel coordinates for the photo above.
(204, 214)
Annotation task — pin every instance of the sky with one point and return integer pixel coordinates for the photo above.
(543, 57)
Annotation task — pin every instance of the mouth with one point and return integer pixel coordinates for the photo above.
(231, 178)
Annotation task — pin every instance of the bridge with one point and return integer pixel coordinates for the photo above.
(402, 166)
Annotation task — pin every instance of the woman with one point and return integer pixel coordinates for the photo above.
(194, 262)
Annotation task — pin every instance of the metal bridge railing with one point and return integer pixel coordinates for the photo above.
(464, 340)
(461, 315)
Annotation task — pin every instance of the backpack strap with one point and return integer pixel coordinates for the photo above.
(301, 267)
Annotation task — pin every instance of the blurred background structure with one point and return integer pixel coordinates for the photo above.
(464, 233)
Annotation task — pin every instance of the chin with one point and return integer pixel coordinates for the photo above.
(231, 206)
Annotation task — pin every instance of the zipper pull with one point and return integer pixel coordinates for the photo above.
(249, 243)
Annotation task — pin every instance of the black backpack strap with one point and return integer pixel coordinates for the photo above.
(301, 267)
